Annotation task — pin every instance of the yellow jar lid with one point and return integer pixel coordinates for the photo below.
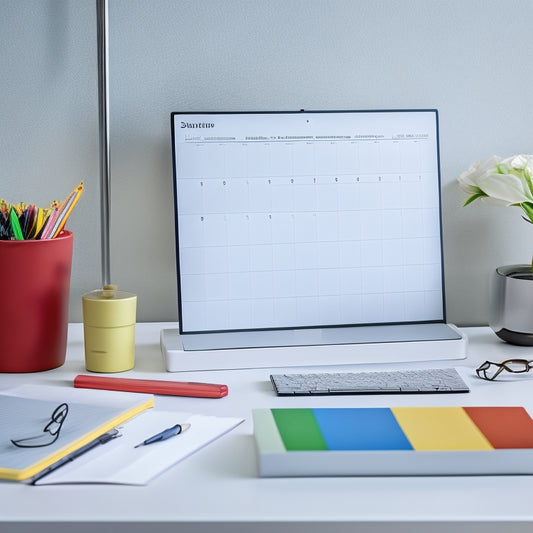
(109, 308)
(109, 292)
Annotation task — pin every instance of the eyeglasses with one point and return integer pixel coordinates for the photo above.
(489, 370)
(50, 432)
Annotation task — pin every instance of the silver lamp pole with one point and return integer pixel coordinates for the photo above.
(103, 130)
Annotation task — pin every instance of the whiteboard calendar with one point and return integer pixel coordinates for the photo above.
(307, 219)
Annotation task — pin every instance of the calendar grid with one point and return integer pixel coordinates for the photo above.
(279, 234)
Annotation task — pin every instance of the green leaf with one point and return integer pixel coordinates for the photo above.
(527, 177)
(528, 210)
(475, 196)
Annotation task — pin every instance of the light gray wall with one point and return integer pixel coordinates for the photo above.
(471, 59)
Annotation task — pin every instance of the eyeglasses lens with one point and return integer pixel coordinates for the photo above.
(488, 370)
(517, 366)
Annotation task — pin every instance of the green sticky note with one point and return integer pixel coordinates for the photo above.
(299, 430)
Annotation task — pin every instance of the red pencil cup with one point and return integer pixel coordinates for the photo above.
(34, 301)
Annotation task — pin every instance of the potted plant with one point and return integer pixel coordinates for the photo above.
(507, 182)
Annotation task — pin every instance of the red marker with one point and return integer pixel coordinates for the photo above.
(152, 386)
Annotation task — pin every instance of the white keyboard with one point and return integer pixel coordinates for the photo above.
(434, 380)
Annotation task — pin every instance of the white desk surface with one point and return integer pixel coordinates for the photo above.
(218, 488)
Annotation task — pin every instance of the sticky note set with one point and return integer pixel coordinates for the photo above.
(394, 441)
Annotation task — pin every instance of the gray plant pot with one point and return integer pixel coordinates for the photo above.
(511, 315)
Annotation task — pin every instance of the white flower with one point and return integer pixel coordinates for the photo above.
(519, 162)
(506, 188)
(468, 180)
(500, 181)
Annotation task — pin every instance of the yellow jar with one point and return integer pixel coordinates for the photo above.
(109, 317)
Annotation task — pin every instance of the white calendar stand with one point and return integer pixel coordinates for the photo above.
(383, 351)
(293, 227)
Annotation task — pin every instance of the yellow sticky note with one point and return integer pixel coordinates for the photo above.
(440, 428)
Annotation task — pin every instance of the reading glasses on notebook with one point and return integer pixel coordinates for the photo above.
(490, 370)
(49, 434)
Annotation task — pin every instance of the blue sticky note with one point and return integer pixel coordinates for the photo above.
(361, 429)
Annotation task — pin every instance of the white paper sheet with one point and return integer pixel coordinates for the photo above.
(119, 462)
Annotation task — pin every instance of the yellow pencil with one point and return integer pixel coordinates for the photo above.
(66, 209)
(47, 230)
(42, 217)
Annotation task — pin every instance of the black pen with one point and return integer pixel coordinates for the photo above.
(165, 434)
(102, 439)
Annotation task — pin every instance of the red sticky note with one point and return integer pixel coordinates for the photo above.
(504, 427)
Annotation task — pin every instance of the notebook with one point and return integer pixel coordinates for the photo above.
(29, 416)
(393, 441)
